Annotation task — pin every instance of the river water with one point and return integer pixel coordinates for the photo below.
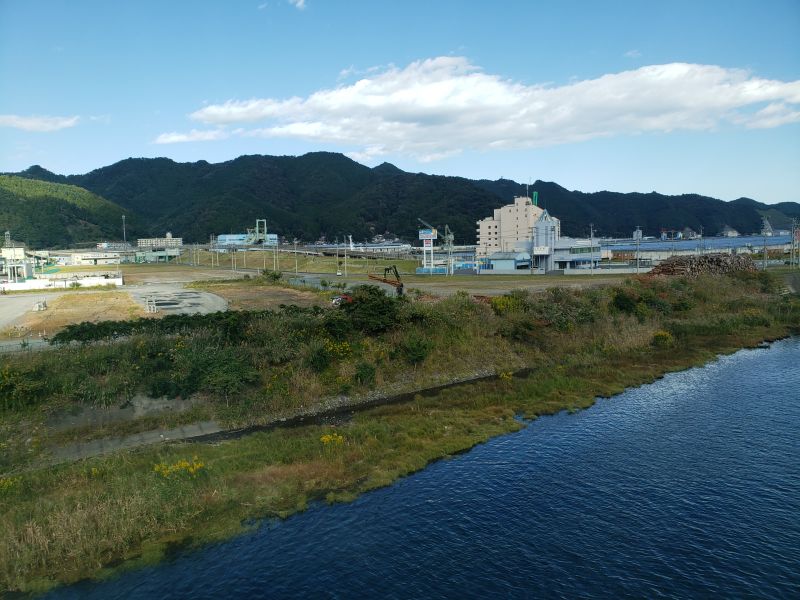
(686, 488)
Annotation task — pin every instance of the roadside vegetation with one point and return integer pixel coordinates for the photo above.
(549, 351)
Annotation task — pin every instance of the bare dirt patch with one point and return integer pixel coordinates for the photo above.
(248, 296)
(172, 273)
(74, 308)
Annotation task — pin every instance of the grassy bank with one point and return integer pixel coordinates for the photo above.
(90, 518)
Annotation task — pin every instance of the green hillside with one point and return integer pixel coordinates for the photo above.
(323, 193)
(46, 215)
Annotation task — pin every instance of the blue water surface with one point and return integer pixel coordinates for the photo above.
(686, 488)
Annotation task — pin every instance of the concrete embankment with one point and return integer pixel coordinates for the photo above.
(332, 409)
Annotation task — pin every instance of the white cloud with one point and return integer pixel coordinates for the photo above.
(632, 54)
(298, 4)
(38, 123)
(440, 106)
(772, 115)
(195, 135)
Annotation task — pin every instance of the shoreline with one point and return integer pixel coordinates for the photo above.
(335, 414)
(169, 546)
(101, 516)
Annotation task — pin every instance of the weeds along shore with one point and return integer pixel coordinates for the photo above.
(93, 517)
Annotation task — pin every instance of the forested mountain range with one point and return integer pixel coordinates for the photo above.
(44, 214)
(328, 194)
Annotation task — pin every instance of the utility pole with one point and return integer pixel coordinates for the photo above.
(700, 248)
(765, 252)
(591, 248)
(638, 240)
(124, 234)
(295, 257)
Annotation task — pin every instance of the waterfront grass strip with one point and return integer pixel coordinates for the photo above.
(89, 519)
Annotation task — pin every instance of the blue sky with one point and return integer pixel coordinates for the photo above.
(675, 97)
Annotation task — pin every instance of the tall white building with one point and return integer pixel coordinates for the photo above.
(523, 237)
(510, 225)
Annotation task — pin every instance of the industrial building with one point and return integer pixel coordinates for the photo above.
(253, 237)
(245, 239)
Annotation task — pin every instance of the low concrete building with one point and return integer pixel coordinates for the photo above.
(729, 232)
(166, 242)
(96, 258)
(157, 255)
(508, 262)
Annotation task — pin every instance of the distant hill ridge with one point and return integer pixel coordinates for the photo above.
(323, 193)
(44, 214)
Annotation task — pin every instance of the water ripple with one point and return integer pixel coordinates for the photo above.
(685, 488)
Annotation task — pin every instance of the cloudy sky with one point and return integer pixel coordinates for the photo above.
(628, 96)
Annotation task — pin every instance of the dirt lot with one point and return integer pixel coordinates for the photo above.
(135, 274)
(249, 296)
(70, 308)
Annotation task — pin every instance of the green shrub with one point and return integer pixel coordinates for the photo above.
(20, 388)
(371, 310)
(565, 309)
(230, 375)
(271, 276)
(624, 301)
(415, 348)
(365, 373)
(641, 311)
(663, 339)
(521, 327)
(337, 324)
(682, 304)
(317, 356)
(656, 302)
(515, 300)
(753, 317)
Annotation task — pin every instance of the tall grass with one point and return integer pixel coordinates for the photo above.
(61, 524)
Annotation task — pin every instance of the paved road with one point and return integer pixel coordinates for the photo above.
(173, 298)
(14, 306)
(169, 297)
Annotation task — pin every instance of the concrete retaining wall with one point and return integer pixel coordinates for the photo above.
(59, 284)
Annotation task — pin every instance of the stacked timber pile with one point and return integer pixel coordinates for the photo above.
(707, 264)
